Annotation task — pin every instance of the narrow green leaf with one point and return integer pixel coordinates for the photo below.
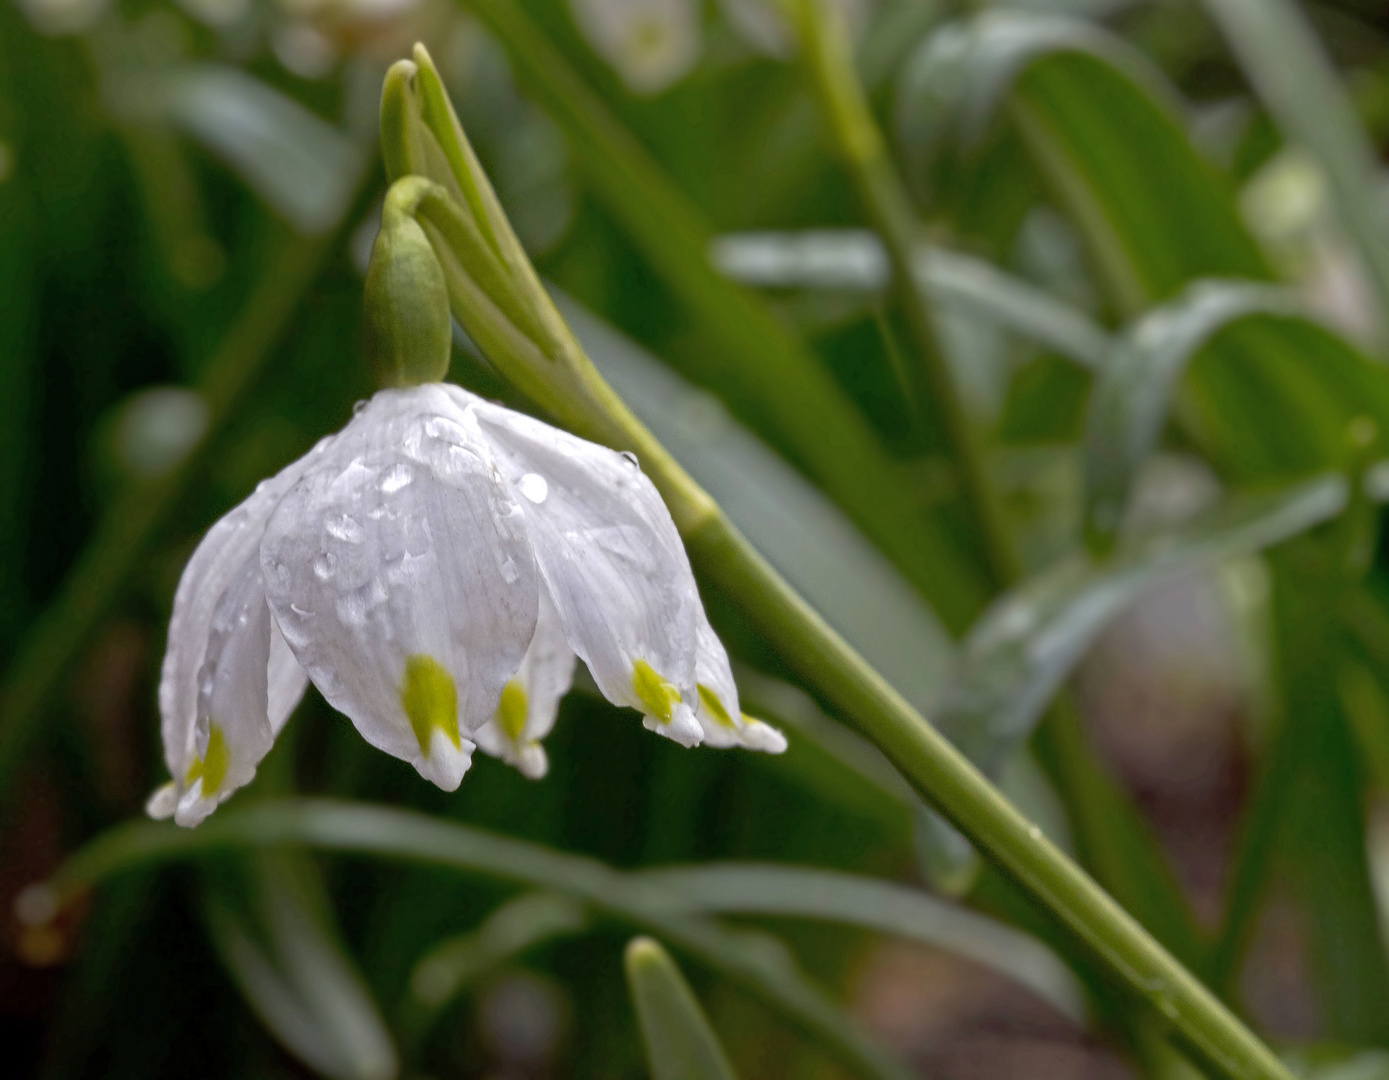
(456, 963)
(402, 834)
(1133, 396)
(1318, 811)
(952, 88)
(680, 1044)
(1024, 647)
(1265, 400)
(853, 260)
(286, 959)
(298, 163)
(19, 357)
(751, 889)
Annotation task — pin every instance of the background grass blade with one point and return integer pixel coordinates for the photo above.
(402, 834)
(893, 909)
(285, 956)
(1027, 643)
(459, 962)
(1134, 396)
(853, 260)
(680, 1044)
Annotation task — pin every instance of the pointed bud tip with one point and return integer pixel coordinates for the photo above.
(402, 71)
(422, 57)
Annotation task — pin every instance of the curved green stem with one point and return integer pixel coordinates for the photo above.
(568, 385)
(959, 791)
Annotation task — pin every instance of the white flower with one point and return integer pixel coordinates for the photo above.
(649, 43)
(434, 569)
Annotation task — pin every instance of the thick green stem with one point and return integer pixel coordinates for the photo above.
(953, 786)
(565, 382)
(844, 107)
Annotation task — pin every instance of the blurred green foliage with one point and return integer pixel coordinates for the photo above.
(186, 201)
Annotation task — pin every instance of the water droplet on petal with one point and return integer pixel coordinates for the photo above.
(631, 459)
(358, 406)
(509, 571)
(444, 429)
(325, 566)
(344, 528)
(397, 477)
(534, 487)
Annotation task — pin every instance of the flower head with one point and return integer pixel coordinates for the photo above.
(434, 569)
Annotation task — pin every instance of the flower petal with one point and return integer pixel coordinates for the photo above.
(229, 546)
(719, 713)
(232, 732)
(399, 571)
(530, 701)
(612, 560)
(286, 680)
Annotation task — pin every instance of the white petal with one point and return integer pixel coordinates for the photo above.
(233, 731)
(286, 680)
(719, 712)
(163, 802)
(530, 703)
(226, 549)
(399, 571)
(611, 558)
(682, 727)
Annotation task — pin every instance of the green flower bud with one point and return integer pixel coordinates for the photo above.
(409, 333)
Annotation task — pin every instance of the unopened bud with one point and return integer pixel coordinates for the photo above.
(409, 333)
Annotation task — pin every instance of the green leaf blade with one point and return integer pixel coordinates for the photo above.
(680, 1044)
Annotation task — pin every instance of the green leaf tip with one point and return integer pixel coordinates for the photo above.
(399, 115)
(680, 1044)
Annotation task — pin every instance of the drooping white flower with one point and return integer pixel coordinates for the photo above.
(434, 569)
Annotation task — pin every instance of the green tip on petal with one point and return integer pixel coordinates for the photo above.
(212, 766)
(657, 696)
(430, 699)
(512, 711)
(715, 707)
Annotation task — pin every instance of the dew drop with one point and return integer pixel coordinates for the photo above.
(397, 477)
(631, 459)
(325, 566)
(534, 487)
(344, 528)
(444, 429)
(299, 611)
(358, 406)
(509, 571)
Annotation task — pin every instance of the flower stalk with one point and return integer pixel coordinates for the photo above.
(514, 321)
